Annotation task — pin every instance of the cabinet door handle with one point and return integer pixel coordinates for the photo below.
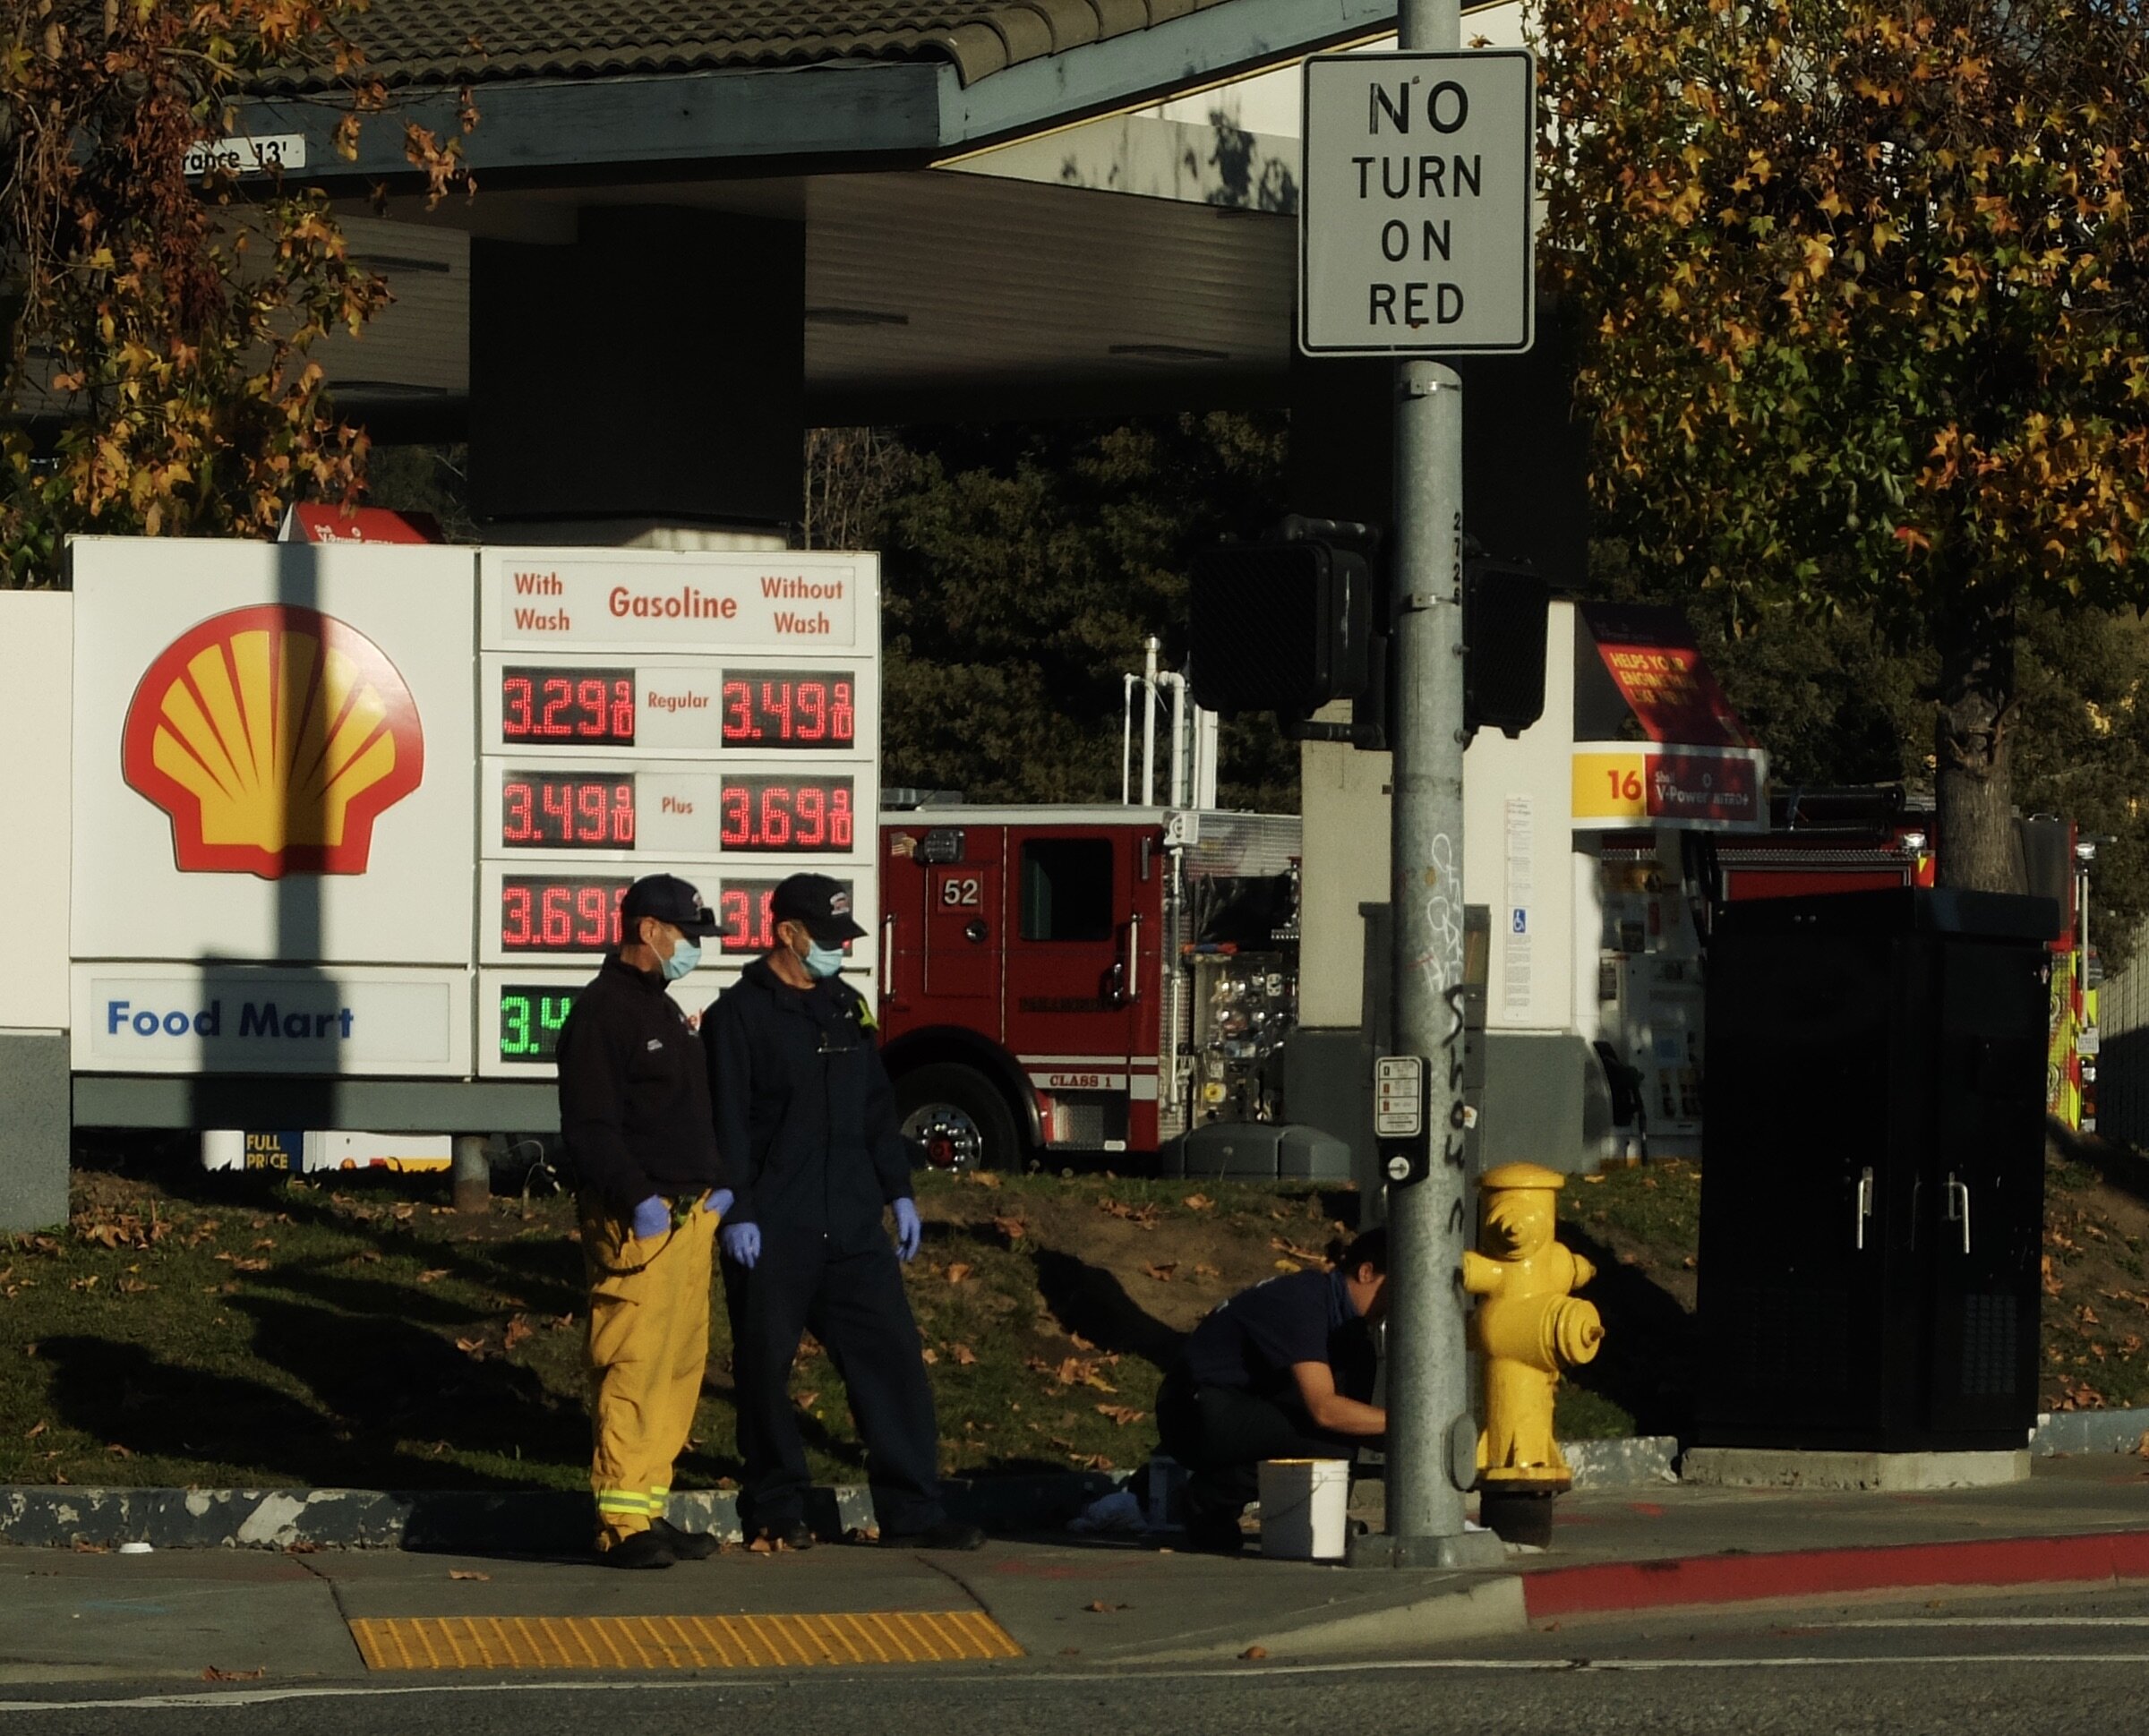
(1864, 1205)
(888, 956)
(1958, 1207)
(1130, 984)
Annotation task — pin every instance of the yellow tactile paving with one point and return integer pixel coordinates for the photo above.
(679, 1642)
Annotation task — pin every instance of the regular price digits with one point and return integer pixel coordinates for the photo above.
(788, 708)
(547, 812)
(779, 814)
(584, 706)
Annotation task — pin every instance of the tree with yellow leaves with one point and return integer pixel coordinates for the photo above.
(1866, 299)
(155, 378)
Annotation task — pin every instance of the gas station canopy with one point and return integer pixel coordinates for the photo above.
(996, 215)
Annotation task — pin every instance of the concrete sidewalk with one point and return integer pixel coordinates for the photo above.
(174, 1614)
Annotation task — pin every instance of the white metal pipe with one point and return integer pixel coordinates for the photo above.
(1178, 793)
(1149, 721)
(1126, 740)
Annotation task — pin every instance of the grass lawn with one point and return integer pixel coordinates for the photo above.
(193, 1329)
(190, 1330)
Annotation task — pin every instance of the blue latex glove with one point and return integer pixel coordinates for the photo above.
(741, 1242)
(652, 1217)
(717, 1200)
(909, 1231)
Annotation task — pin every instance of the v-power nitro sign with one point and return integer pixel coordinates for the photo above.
(1415, 221)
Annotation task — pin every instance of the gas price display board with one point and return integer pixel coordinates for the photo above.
(279, 763)
(717, 724)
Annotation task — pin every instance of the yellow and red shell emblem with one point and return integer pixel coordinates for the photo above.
(274, 737)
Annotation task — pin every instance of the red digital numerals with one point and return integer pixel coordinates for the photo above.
(789, 708)
(570, 706)
(545, 812)
(566, 915)
(786, 814)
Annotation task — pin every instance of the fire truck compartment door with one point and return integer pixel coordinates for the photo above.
(964, 935)
(1080, 952)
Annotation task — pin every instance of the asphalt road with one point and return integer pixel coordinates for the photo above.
(1950, 1667)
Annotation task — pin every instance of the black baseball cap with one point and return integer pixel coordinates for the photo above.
(668, 899)
(822, 904)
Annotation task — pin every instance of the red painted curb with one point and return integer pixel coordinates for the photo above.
(1818, 1572)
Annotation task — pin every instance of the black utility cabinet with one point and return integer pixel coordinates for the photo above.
(1872, 1181)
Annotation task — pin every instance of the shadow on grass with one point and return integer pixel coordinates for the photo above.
(2118, 1165)
(1646, 1366)
(1089, 1302)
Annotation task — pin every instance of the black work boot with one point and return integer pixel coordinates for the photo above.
(639, 1549)
(788, 1533)
(687, 1545)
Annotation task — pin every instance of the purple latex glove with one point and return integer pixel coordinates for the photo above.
(908, 1232)
(652, 1217)
(742, 1243)
(717, 1200)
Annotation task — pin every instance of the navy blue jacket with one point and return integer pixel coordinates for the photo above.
(805, 1112)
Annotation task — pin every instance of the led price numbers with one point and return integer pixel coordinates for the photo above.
(748, 923)
(531, 1019)
(789, 708)
(546, 810)
(775, 814)
(577, 707)
(561, 913)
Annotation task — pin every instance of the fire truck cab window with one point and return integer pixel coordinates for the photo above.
(1067, 889)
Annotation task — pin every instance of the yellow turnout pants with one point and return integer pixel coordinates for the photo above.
(648, 1342)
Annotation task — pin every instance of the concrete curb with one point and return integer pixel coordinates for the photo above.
(536, 1522)
(1622, 1463)
(1483, 1606)
(2089, 1431)
(2092, 1558)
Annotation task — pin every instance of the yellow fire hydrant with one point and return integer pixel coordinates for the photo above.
(1526, 1328)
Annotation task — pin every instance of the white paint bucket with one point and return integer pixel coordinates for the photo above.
(1303, 1503)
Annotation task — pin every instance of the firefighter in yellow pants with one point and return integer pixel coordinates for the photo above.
(634, 1112)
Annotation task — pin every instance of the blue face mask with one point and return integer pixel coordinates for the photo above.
(823, 962)
(684, 957)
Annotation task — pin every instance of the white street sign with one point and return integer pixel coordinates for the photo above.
(1415, 221)
(1399, 1096)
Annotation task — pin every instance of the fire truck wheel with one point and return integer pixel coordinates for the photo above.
(961, 1121)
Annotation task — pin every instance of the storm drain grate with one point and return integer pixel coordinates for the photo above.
(678, 1642)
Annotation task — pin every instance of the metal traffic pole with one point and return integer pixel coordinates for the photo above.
(1432, 1441)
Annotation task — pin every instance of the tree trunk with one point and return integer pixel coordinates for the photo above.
(1975, 838)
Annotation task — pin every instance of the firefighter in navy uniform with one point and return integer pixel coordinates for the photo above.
(634, 1111)
(805, 1120)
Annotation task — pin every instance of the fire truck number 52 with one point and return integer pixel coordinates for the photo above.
(961, 889)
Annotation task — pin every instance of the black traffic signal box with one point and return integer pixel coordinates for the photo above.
(1291, 624)
(1873, 1178)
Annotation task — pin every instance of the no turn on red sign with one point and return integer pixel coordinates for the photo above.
(1415, 218)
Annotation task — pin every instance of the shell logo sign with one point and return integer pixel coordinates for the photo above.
(274, 737)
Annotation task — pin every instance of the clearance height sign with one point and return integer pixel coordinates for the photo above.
(279, 752)
(1415, 220)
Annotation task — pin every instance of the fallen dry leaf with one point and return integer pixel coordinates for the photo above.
(118, 1451)
(1162, 1273)
(1098, 1606)
(963, 1354)
(1204, 1270)
(1122, 1415)
(1289, 1266)
(214, 1674)
(434, 1276)
(519, 1328)
(1254, 1653)
(1012, 1228)
(929, 1355)
(957, 1272)
(1308, 1255)
(466, 1573)
(806, 1400)
(1197, 1202)
(37, 1429)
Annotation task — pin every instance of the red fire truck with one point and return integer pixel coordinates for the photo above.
(1062, 979)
